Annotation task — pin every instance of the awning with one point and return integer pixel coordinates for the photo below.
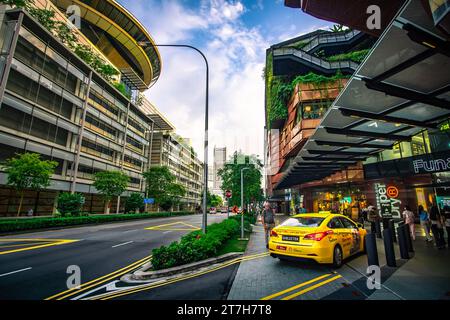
(400, 89)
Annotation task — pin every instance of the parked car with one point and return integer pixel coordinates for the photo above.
(212, 210)
(224, 210)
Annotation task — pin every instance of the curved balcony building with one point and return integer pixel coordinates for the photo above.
(118, 34)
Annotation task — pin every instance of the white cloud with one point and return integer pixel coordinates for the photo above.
(236, 56)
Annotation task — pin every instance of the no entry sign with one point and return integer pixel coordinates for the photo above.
(228, 194)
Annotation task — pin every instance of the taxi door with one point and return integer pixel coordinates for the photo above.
(338, 230)
(352, 237)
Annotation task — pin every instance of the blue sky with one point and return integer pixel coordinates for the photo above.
(234, 35)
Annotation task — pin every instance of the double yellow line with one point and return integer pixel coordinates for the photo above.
(95, 282)
(149, 286)
(301, 285)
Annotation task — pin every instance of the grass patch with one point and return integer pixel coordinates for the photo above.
(234, 245)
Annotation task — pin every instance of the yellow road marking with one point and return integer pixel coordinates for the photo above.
(48, 243)
(18, 245)
(151, 286)
(320, 284)
(100, 280)
(277, 294)
(166, 227)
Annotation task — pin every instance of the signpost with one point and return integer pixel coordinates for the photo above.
(228, 195)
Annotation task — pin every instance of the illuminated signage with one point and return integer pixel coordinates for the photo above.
(437, 165)
(387, 202)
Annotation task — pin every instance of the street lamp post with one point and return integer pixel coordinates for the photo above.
(242, 202)
(205, 169)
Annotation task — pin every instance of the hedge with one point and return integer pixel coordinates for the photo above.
(195, 246)
(10, 225)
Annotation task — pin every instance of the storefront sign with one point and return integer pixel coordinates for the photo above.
(427, 166)
(387, 202)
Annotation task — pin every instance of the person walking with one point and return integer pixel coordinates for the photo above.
(424, 218)
(408, 216)
(436, 227)
(373, 217)
(268, 220)
(446, 214)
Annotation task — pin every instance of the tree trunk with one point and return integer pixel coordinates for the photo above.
(20, 203)
(107, 206)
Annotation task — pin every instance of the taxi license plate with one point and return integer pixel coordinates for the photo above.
(290, 238)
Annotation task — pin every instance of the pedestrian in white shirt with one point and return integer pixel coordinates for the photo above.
(408, 215)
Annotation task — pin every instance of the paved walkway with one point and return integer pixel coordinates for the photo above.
(425, 276)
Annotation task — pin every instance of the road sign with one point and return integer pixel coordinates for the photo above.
(228, 194)
(149, 200)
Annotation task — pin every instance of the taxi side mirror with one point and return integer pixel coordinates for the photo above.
(360, 225)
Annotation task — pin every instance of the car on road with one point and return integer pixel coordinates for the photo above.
(322, 237)
(224, 210)
(212, 210)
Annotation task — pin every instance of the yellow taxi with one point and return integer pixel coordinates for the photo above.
(323, 237)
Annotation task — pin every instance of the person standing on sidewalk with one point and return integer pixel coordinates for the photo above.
(373, 217)
(268, 220)
(437, 227)
(424, 218)
(446, 214)
(408, 215)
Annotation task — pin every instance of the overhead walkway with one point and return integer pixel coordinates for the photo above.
(304, 60)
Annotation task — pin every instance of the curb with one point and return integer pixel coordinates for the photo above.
(142, 275)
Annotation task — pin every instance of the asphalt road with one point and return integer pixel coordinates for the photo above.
(99, 251)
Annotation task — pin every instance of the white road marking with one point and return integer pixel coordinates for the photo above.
(166, 232)
(122, 244)
(17, 271)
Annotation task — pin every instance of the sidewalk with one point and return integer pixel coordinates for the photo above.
(425, 276)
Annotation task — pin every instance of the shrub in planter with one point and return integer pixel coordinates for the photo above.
(195, 246)
(70, 204)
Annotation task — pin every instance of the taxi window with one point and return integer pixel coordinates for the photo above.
(335, 223)
(308, 222)
(348, 224)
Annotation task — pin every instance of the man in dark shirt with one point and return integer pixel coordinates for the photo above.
(268, 220)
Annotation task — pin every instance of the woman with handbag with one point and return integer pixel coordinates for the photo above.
(425, 223)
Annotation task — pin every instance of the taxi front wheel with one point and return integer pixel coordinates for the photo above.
(337, 257)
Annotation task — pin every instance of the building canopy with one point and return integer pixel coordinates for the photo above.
(400, 89)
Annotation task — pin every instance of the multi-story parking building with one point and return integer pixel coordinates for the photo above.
(175, 152)
(55, 104)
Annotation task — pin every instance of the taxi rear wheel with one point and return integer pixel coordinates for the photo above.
(337, 257)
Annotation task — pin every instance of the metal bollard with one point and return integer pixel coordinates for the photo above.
(371, 248)
(402, 242)
(409, 242)
(378, 229)
(389, 248)
(392, 229)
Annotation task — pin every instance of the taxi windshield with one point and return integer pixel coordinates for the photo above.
(308, 222)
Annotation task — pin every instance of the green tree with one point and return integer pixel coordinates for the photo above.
(231, 177)
(28, 171)
(215, 201)
(70, 204)
(134, 202)
(162, 186)
(110, 184)
(16, 3)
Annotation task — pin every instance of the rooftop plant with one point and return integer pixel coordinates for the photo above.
(46, 17)
(356, 56)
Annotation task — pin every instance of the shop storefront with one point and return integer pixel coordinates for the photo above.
(413, 181)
